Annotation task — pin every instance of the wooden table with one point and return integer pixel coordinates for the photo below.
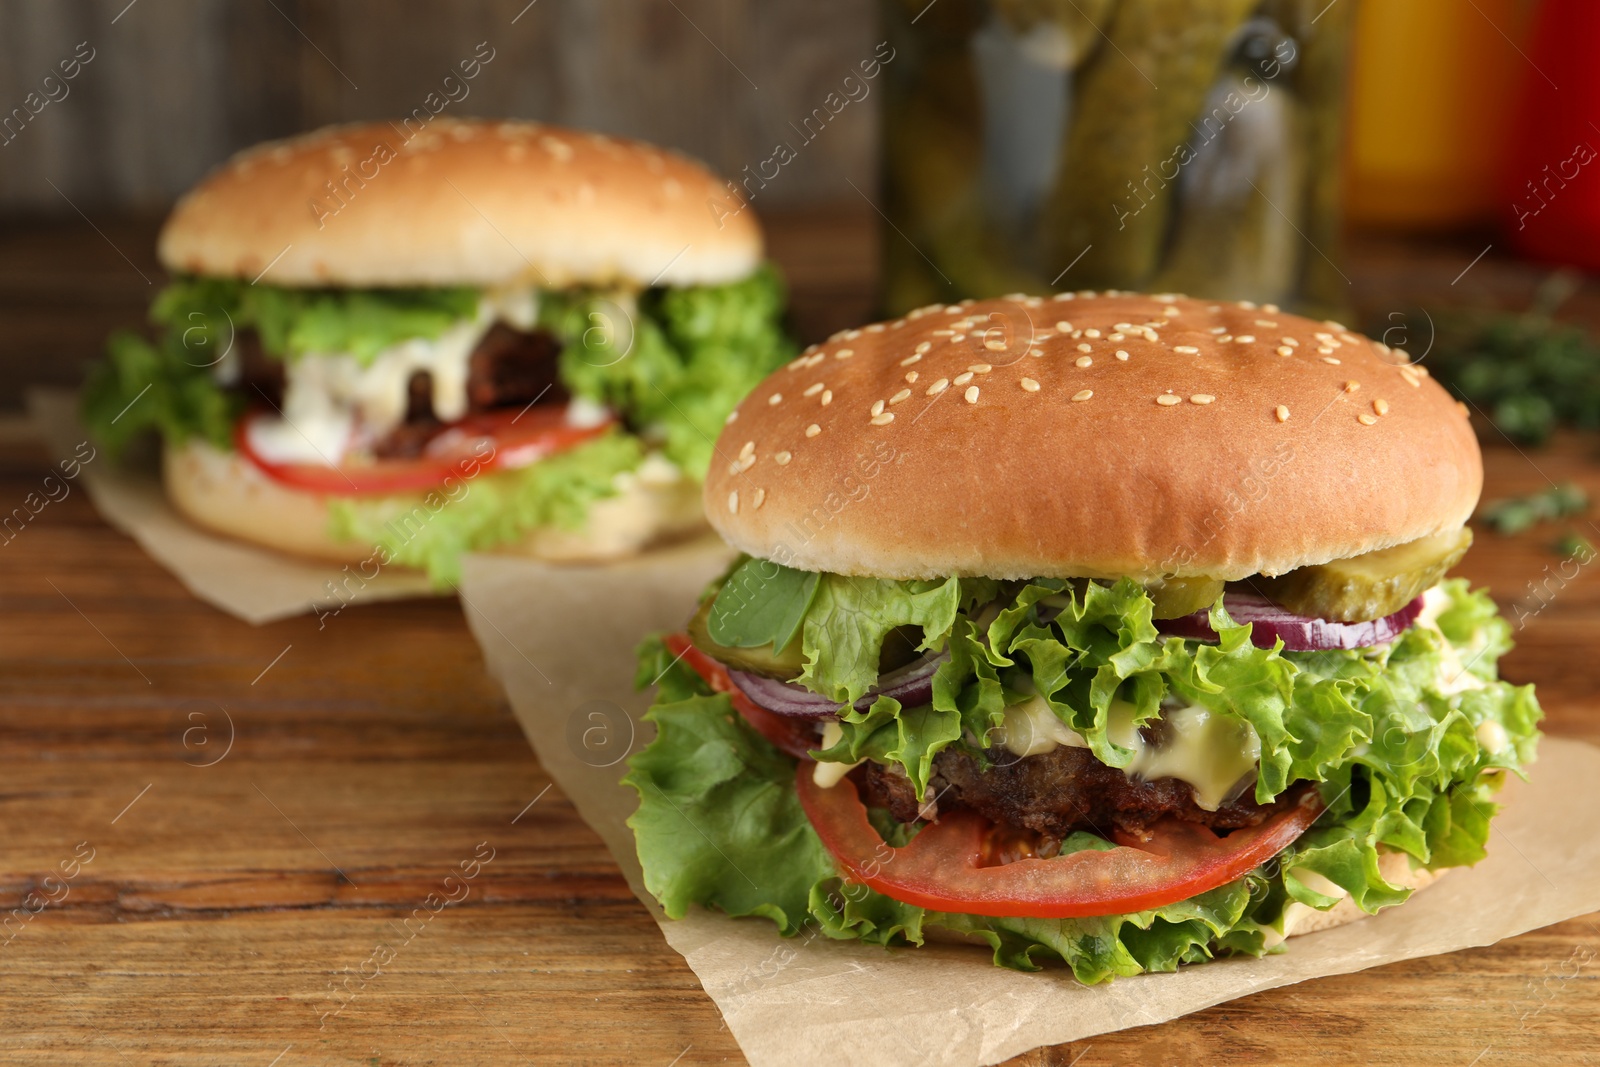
(231, 885)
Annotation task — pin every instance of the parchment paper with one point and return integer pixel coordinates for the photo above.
(561, 640)
(250, 583)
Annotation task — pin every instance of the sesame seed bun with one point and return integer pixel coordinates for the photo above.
(227, 494)
(460, 203)
(1074, 440)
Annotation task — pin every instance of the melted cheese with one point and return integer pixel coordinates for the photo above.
(1210, 752)
(828, 775)
(333, 402)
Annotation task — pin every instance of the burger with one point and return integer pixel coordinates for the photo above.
(467, 335)
(1106, 630)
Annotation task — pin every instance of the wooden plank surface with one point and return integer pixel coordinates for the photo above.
(371, 758)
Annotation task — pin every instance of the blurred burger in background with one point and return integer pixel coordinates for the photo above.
(479, 335)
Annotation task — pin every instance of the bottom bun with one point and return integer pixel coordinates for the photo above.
(227, 494)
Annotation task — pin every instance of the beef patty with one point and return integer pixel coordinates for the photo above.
(1053, 793)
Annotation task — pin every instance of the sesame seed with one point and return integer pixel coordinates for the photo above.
(1084, 361)
(1122, 355)
(1282, 413)
(912, 376)
(1270, 309)
(1290, 341)
(1409, 374)
(775, 399)
(971, 394)
(1351, 387)
(1225, 338)
(1036, 352)
(1201, 398)
(1246, 339)
(851, 335)
(748, 449)
(980, 368)
(1188, 350)
(782, 458)
(938, 387)
(1367, 420)
(877, 407)
(1330, 359)
(964, 378)
(883, 420)
(1091, 333)
(952, 309)
(844, 353)
(923, 347)
(1085, 348)
(914, 357)
(1463, 409)
(1324, 350)
(904, 394)
(1167, 400)
(1381, 406)
(1267, 323)
(729, 420)
(1285, 350)
(1064, 326)
(1082, 395)
(1219, 329)
(876, 327)
(733, 501)
(813, 430)
(1170, 311)
(1119, 336)
(1123, 326)
(958, 338)
(813, 390)
(759, 499)
(827, 397)
(1030, 385)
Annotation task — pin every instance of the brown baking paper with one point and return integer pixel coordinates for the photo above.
(561, 642)
(249, 583)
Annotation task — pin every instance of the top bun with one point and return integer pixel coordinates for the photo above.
(1091, 436)
(460, 203)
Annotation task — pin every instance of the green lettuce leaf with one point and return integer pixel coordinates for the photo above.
(492, 509)
(690, 356)
(163, 386)
(294, 322)
(761, 603)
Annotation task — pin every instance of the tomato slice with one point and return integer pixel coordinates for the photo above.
(942, 867)
(495, 440)
(794, 736)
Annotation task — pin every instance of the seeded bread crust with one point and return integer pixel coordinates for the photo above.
(1091, 436)
(461, 203)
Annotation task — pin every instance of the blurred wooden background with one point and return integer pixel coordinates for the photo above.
(177, 85)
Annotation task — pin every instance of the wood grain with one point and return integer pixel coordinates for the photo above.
(372, 757)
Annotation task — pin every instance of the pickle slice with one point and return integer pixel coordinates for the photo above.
(1177, 597)
(759, 660)
(1371, 585)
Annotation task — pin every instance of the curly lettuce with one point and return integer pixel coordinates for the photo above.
(1407, 744)
(683, 360)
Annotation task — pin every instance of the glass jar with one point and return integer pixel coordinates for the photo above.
(1159, 145)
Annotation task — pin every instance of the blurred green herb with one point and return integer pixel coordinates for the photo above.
(1515, 514)
(1527, 372)
(1574, 545)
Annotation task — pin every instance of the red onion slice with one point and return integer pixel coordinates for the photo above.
(1300, 633)
(911, 685)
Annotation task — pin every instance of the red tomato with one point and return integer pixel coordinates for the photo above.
(794, 736)
(496, 440)
(942, 867)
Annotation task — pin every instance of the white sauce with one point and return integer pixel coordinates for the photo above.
(1453, 674)
(332, 403)
(828, 775)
